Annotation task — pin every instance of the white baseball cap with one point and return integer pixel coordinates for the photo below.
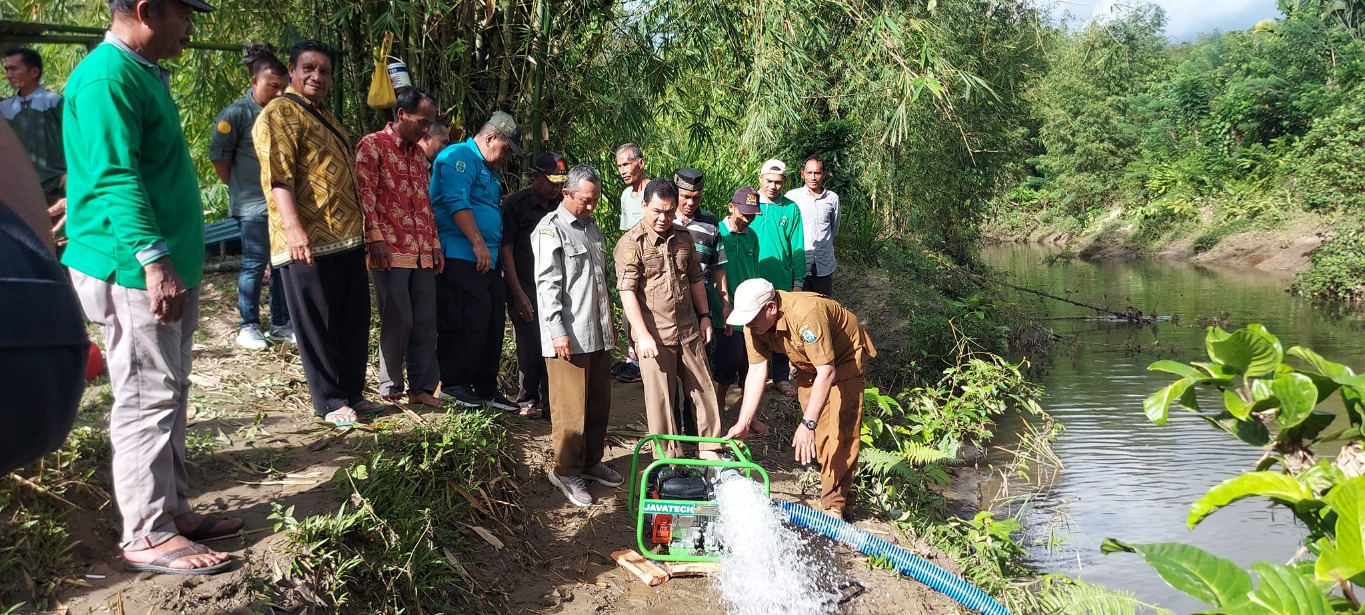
(750, 297)
(773, 165)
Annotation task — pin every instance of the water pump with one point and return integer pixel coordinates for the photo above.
(676, 497)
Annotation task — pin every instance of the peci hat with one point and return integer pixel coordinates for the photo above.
(688, 178)
(507, 127)
(746, 201)
(773, 165)
(750, 297)
(553, 166)
(201, 6)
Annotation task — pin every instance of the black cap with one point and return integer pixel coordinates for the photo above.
(553, 166)
(688, 178)
(201, 6)
(746, 200)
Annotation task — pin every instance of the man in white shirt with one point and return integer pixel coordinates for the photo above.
(630, 165)
(820, 217)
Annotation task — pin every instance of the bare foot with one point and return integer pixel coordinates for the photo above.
(708, 455)
(396, 397)
(426, 399)
(189, 562)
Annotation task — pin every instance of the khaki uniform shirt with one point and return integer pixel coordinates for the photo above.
(812, 330)
(660, 270)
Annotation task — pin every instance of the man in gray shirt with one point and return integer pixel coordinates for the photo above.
(234, 158)
(576, 333)
(820, 217)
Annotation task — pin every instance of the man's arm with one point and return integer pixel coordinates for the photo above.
(837, 217)
(798, 247)
(512, 278)
(753, 396)
(548, 250)
(367, 173)
(224, 170)
(451, 181)
(278, 152)
(628, 273)
(803, 441)
(23, 193)
(223, 145)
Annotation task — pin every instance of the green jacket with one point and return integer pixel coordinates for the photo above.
(781, 244)
(741, 258)
(130, 183)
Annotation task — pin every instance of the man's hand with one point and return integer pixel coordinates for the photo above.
(380, 257)
(439, 262)
(562, 348)
(645, 347)
(804, 443)
(166, 294)
(299, 247)
(739, 432)
(729, 330)
(483, 260)
(522, 304)
(707, 332)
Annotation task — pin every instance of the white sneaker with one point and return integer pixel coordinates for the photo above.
(282, 334)
(251, 338)
(574, 488)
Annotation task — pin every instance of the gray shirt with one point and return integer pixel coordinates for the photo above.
(232, 142)
(571, 283)
(820, 219)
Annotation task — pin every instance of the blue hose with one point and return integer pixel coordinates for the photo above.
(908, 563)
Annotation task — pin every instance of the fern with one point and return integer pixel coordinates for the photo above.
(1061, 595)
(901, 464)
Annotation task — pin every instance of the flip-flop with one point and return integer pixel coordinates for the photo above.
(205, 531)
(532, 412)
(161, 565)
(339, 417)
(367, 407)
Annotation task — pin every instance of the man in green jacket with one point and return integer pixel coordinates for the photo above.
(136, 256)
(781, 250)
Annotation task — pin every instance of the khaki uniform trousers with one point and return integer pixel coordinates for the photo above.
(580, 407)
(149, 372)
(838, 434)
(659, 376)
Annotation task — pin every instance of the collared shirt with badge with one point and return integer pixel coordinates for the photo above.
(570, 276)
(781, 243)
(231, 142)
(660, 269)
(461, 179)
(813, 330)
(522, 212)
(392, 180)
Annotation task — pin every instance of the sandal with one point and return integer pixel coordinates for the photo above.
(205, 531)
(367, 407)
(162, 565)
(342, 417)
(532, 412)
(785, 388)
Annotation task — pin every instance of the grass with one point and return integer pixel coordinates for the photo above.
(397, 543)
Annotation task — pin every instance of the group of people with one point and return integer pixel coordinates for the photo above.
(428, 227)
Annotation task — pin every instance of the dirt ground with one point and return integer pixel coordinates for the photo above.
(254, 442)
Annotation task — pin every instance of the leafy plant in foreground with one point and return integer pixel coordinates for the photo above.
(1260, 392)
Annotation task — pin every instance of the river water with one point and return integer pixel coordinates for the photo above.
(1123, 477)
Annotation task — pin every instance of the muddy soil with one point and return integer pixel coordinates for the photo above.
(258, 444)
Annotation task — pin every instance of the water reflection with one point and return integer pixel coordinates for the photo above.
(1123, 476)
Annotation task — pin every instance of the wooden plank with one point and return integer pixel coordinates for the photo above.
(691, 569)
(642, 568)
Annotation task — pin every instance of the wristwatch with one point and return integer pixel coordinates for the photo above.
(809, 424)
(703, 315)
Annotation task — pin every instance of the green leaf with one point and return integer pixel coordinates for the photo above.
(1266, 335)
(1282, 590)
(1177, 368)
(1344, 558)
(1260, 391)
(1236, 407)
(1192, 570)
(1298, 395)
(1246, 353)
(1309, 429)
(1216, 372)
(1251, 431)
(1323, 366)
(1274, 485)
(1158, 405)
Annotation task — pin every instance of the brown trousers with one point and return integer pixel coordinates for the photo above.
(580, 406)
(838, 434)
(659, 376)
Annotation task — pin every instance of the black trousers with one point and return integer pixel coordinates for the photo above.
(823, 284)
(329, 304)
(532, 383)
(471, 314)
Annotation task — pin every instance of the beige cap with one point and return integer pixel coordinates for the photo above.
(750, 297)
(773, 165)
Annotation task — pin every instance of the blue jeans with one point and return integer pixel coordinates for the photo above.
(255, 258)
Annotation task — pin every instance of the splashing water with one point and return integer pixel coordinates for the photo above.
(764, 571)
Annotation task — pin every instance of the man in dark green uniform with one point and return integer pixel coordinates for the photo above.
(35, 114)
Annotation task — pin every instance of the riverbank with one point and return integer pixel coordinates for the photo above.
(336, 523)
(1279, 242)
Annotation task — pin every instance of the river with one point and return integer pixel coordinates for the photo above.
(1123, 477)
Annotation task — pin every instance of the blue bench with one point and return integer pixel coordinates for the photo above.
(221, 233)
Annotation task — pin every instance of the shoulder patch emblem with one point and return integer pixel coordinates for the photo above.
(224, 127)
(459, 166)
(807, 335)
(547, 232)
